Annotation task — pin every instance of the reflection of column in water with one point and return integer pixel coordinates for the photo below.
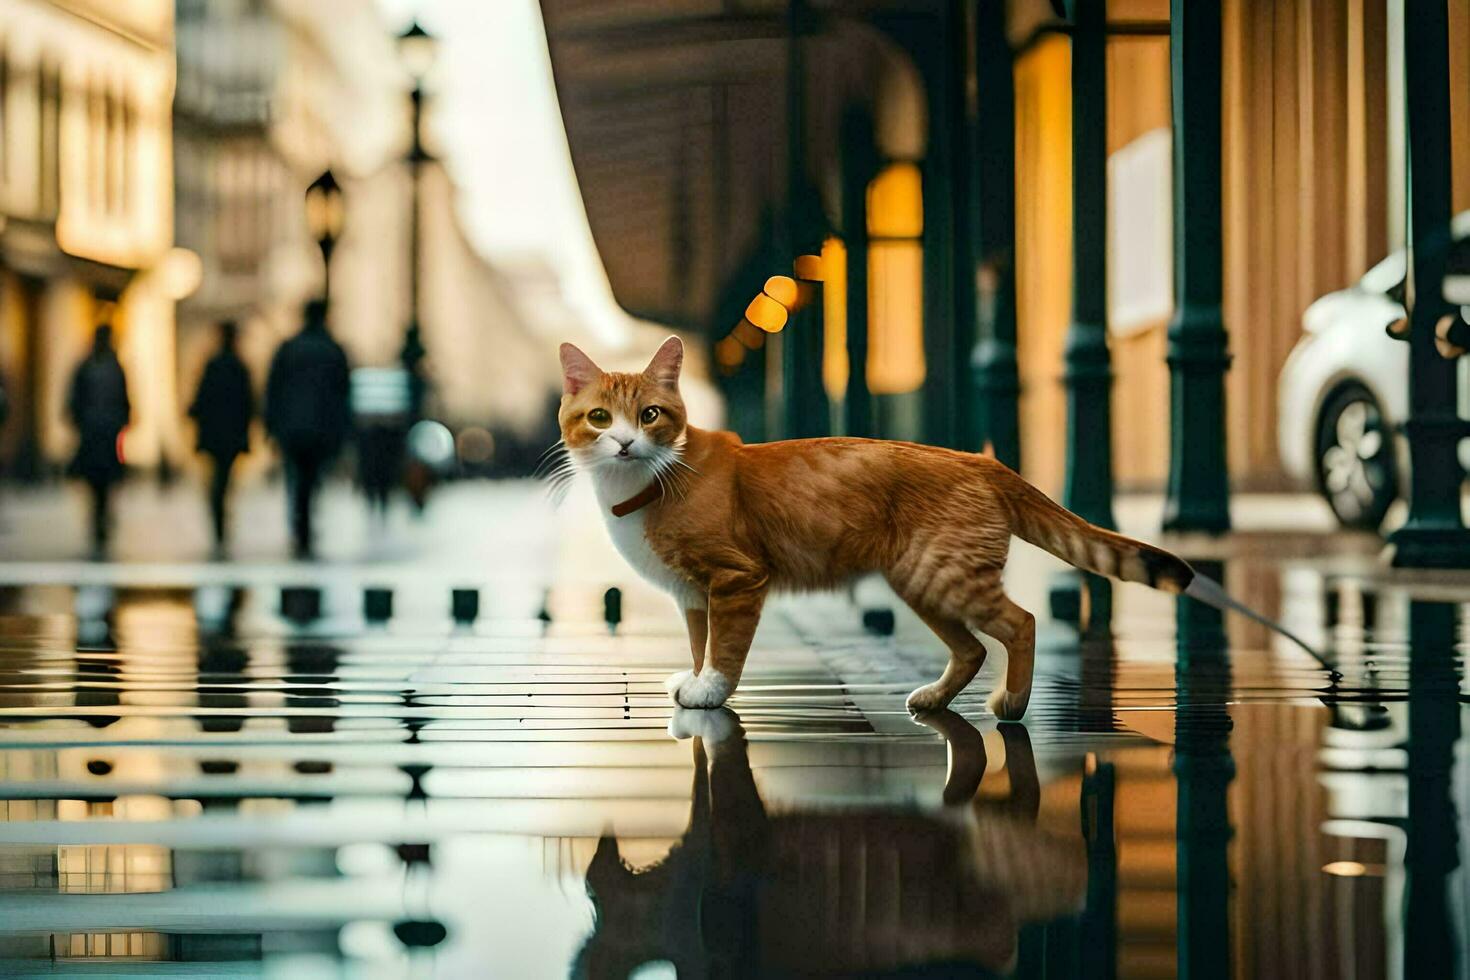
(1203, 770)
(215, 607)
(1200, 629)
(96, 675)
(1432, 855)
(1099, 932)
(311, 673)
(1097, 679)
(223, 658)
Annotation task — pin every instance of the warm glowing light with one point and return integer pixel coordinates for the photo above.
(782, 289)
(834, 317)
(895, 317)
(326, 210)
(180, 273)
(418, 49)
(896, 281)
(896, 202)
(766, 313)
(810, 267)
(750, 336)
(1352, 869)
(729, 353)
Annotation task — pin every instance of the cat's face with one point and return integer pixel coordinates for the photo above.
(609, 418)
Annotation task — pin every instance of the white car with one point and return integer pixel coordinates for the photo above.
(1344, 392)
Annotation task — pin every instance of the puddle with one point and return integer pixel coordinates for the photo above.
(207, 780)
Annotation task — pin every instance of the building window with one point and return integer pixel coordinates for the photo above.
(4, 119)
(128, 120)
(896, 281)
(48, 187)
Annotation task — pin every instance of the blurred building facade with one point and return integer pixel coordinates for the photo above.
(715, 145)
(273, 93)
(234, 190)
(86, 205)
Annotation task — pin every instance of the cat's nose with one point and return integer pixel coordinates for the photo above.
(623, 446)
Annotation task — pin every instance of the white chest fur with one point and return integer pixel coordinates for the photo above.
(632, 543)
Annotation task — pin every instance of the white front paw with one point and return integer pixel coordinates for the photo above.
(673, 682)
(713, 727)
(707, 689)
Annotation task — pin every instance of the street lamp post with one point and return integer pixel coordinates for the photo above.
(416, 49)
(325, 213)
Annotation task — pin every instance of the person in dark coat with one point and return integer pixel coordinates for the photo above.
(222, 409)
(99, 408)
(306, 412)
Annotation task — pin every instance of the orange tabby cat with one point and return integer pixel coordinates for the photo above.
(823, 890)
(719, 524)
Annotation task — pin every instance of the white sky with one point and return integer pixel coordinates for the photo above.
(496, 123)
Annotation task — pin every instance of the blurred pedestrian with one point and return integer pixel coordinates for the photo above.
(222, 409)
(99, 408)
(306, 413)
(387, 404)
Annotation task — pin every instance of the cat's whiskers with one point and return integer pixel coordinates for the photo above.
(557, 471)
(555, 456)
(666, 466)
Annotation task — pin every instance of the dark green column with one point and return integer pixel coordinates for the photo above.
(859, 166)
(805, 409)
(1199, 487)
(997, 384)
(962, 209)
(1203, 771)
(1088, 376)
(808, 413)
(1088, 489)
(935, 54)
(1431, 857)
(1433, 536)
(745, 397)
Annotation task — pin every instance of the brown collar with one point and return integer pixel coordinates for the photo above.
(649, 494)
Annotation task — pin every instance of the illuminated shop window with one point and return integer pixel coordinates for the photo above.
(834, 318)
(896, 281)
(110, 945)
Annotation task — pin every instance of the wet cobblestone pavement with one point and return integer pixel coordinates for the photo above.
(200, 779)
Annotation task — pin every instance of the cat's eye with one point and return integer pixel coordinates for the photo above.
(650, 414)
(600, 417)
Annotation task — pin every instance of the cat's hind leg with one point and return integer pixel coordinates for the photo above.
(994, 614)
(966, 654)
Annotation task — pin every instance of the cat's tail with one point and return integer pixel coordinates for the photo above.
(1038, 519)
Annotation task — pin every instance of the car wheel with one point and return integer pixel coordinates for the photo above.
(1355, 457)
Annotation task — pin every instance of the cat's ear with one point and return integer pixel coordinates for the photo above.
(577, 369)
(606, 869)
(664, 368)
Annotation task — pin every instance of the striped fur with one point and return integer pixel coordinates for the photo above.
(1039, 520)
(819, 891)
(734, 522)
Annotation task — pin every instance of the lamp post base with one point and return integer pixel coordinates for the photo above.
(1430, 547)
(996, 386)
(1084, 601)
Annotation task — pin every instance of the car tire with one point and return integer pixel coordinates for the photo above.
(1356, 471)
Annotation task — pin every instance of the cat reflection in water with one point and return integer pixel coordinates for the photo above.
(719, 524)
(750, 893)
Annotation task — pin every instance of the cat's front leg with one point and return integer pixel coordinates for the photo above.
(735, 601)
(696, 620)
